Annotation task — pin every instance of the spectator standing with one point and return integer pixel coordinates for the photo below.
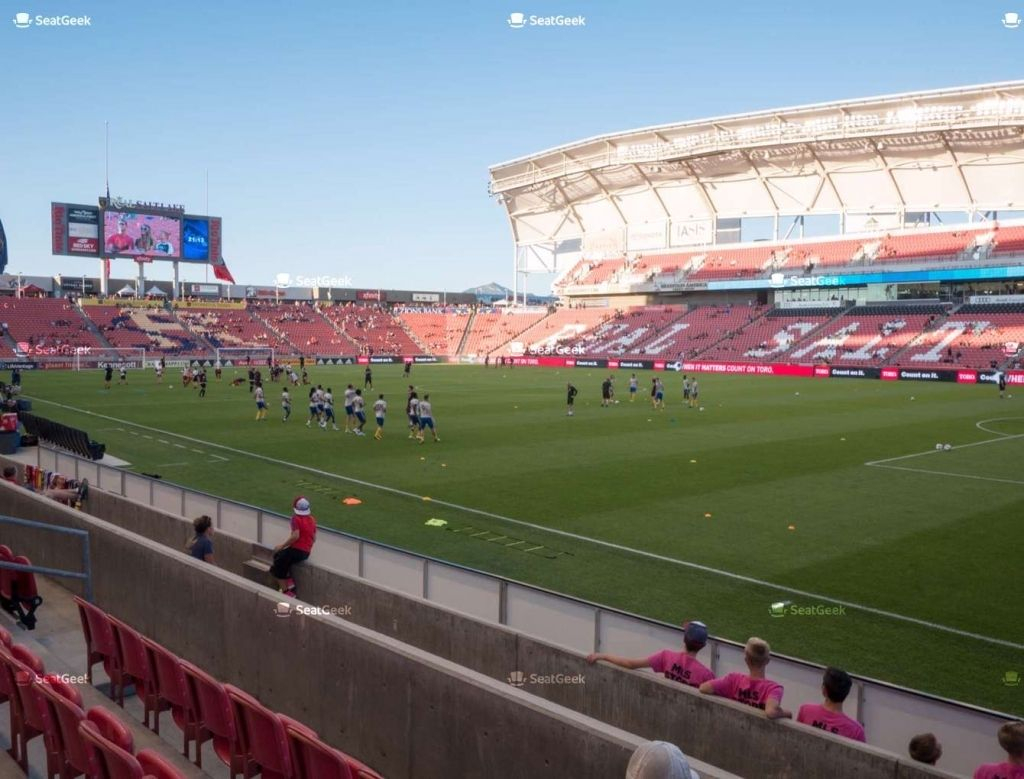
(201, 545)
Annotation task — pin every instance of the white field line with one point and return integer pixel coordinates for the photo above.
(567, 534)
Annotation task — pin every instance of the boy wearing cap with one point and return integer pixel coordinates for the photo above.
(751, 688)
(835, 686)
(295, 548)
(1011, 738)
(678, 666)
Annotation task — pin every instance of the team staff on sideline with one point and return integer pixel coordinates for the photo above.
(296, 548)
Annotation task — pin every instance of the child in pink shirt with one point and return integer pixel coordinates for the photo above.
(678, 666)
(751, 688)
(835, 686)
(1011, 738)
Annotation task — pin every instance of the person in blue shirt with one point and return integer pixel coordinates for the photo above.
(201, 547)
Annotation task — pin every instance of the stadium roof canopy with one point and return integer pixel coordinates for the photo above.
(871, 161)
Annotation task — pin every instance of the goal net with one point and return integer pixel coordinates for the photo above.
(241, 355)
(99, 357)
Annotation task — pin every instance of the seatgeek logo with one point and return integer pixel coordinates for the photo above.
(23, 20)
(517, 20)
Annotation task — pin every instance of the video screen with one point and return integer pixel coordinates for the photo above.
(126, 233)
(195, 239)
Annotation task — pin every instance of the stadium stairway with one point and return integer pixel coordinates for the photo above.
(199, 338)
(465, 333)
(914, 342)
(255, 314)
(727, 334)
(91, 327)
(10, 343)
(334, 326)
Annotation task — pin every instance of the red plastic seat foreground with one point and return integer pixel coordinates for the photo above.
(111, 728)
(110, 761)
(5, 637)
(263, 735)
(171, 692)
(215, 720)
(136, 667)
(73, 757)
(156, 767)
(100, 644)
(312, 757)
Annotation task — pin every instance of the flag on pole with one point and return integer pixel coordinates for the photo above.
(220, 270)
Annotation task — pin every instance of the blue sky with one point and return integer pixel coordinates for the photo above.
(354, 139)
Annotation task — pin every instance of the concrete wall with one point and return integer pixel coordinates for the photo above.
(637, 702)
(404, 711)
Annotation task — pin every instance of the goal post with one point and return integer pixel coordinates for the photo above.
(99, 357)
(227, 356)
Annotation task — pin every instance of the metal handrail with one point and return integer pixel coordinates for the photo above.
(85, 575)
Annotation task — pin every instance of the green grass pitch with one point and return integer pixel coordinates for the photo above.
(768, 482)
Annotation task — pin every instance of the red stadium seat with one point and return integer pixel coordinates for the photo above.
(111, 728)
(172, 692)
(264, 737)
(215, 720)
(136, 667)
(312, 757)
(72, 757)
(100, 643)
(5, 637)
(37, 719)
(64, 689)
(156, 767)
(23, 595)
(110, 760)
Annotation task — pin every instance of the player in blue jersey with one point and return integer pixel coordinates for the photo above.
(286, 404)
(380, 408)
(350, 416)
(426, 413)
(329, 409)
(357, 409)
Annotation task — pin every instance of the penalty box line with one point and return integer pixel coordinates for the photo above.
(575, 536)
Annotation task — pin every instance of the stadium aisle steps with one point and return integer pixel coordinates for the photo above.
(256, 314)
(92, 328)
(198, 337)
(334, 326)
(57, 641)
(465, 333)
(728, 334)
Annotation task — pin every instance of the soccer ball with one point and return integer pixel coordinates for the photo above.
(947, 447)
(323, 425)
(701, 408)
(938, 446)
(616, 402)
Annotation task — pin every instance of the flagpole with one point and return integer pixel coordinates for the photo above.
(207, 213)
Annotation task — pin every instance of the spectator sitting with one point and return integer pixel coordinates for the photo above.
(925, 748)
(751, 688)
(835, 686)
(659, 760)
(295, 548)
(58, 491)
(678, 666)
(201, 547)
(1011, 738)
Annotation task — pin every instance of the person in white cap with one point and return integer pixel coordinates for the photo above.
(295, 548)
(659, 760)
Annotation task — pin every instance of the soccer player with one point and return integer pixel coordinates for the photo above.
(350, 416)
(412, 408)
(108, 374)
(694, 392)
(686, 391)
(606, 391)
(570, 398)
(318, 400)
(751, 688)
(358, 403)
(261, 404)
(159, 368)
(202, 383)
(407, 371)
(1001, 379)
(122, 371)
(305, 377)
(368, 378)
(217, 370)
(659, 395)
(293, 377)
(835, 686)
(1011, 738)
(678, 666)
(312, 406)
(329, 410)
(632, 388)
(426, 413)
(380, 408)
(252, 379)
(286, 404)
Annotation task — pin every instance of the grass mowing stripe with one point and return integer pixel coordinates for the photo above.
(617, 547)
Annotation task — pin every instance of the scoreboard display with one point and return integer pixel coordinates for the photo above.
(134, 232)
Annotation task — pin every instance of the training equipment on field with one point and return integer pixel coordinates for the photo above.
(228, 356)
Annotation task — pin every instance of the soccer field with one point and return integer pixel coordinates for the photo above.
(809, 491)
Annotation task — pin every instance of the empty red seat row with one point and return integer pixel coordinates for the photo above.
(246, 736)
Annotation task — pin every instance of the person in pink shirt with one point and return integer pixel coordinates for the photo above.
(1011, 738)
(675, 665)
(835, 686)
(751, 688)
